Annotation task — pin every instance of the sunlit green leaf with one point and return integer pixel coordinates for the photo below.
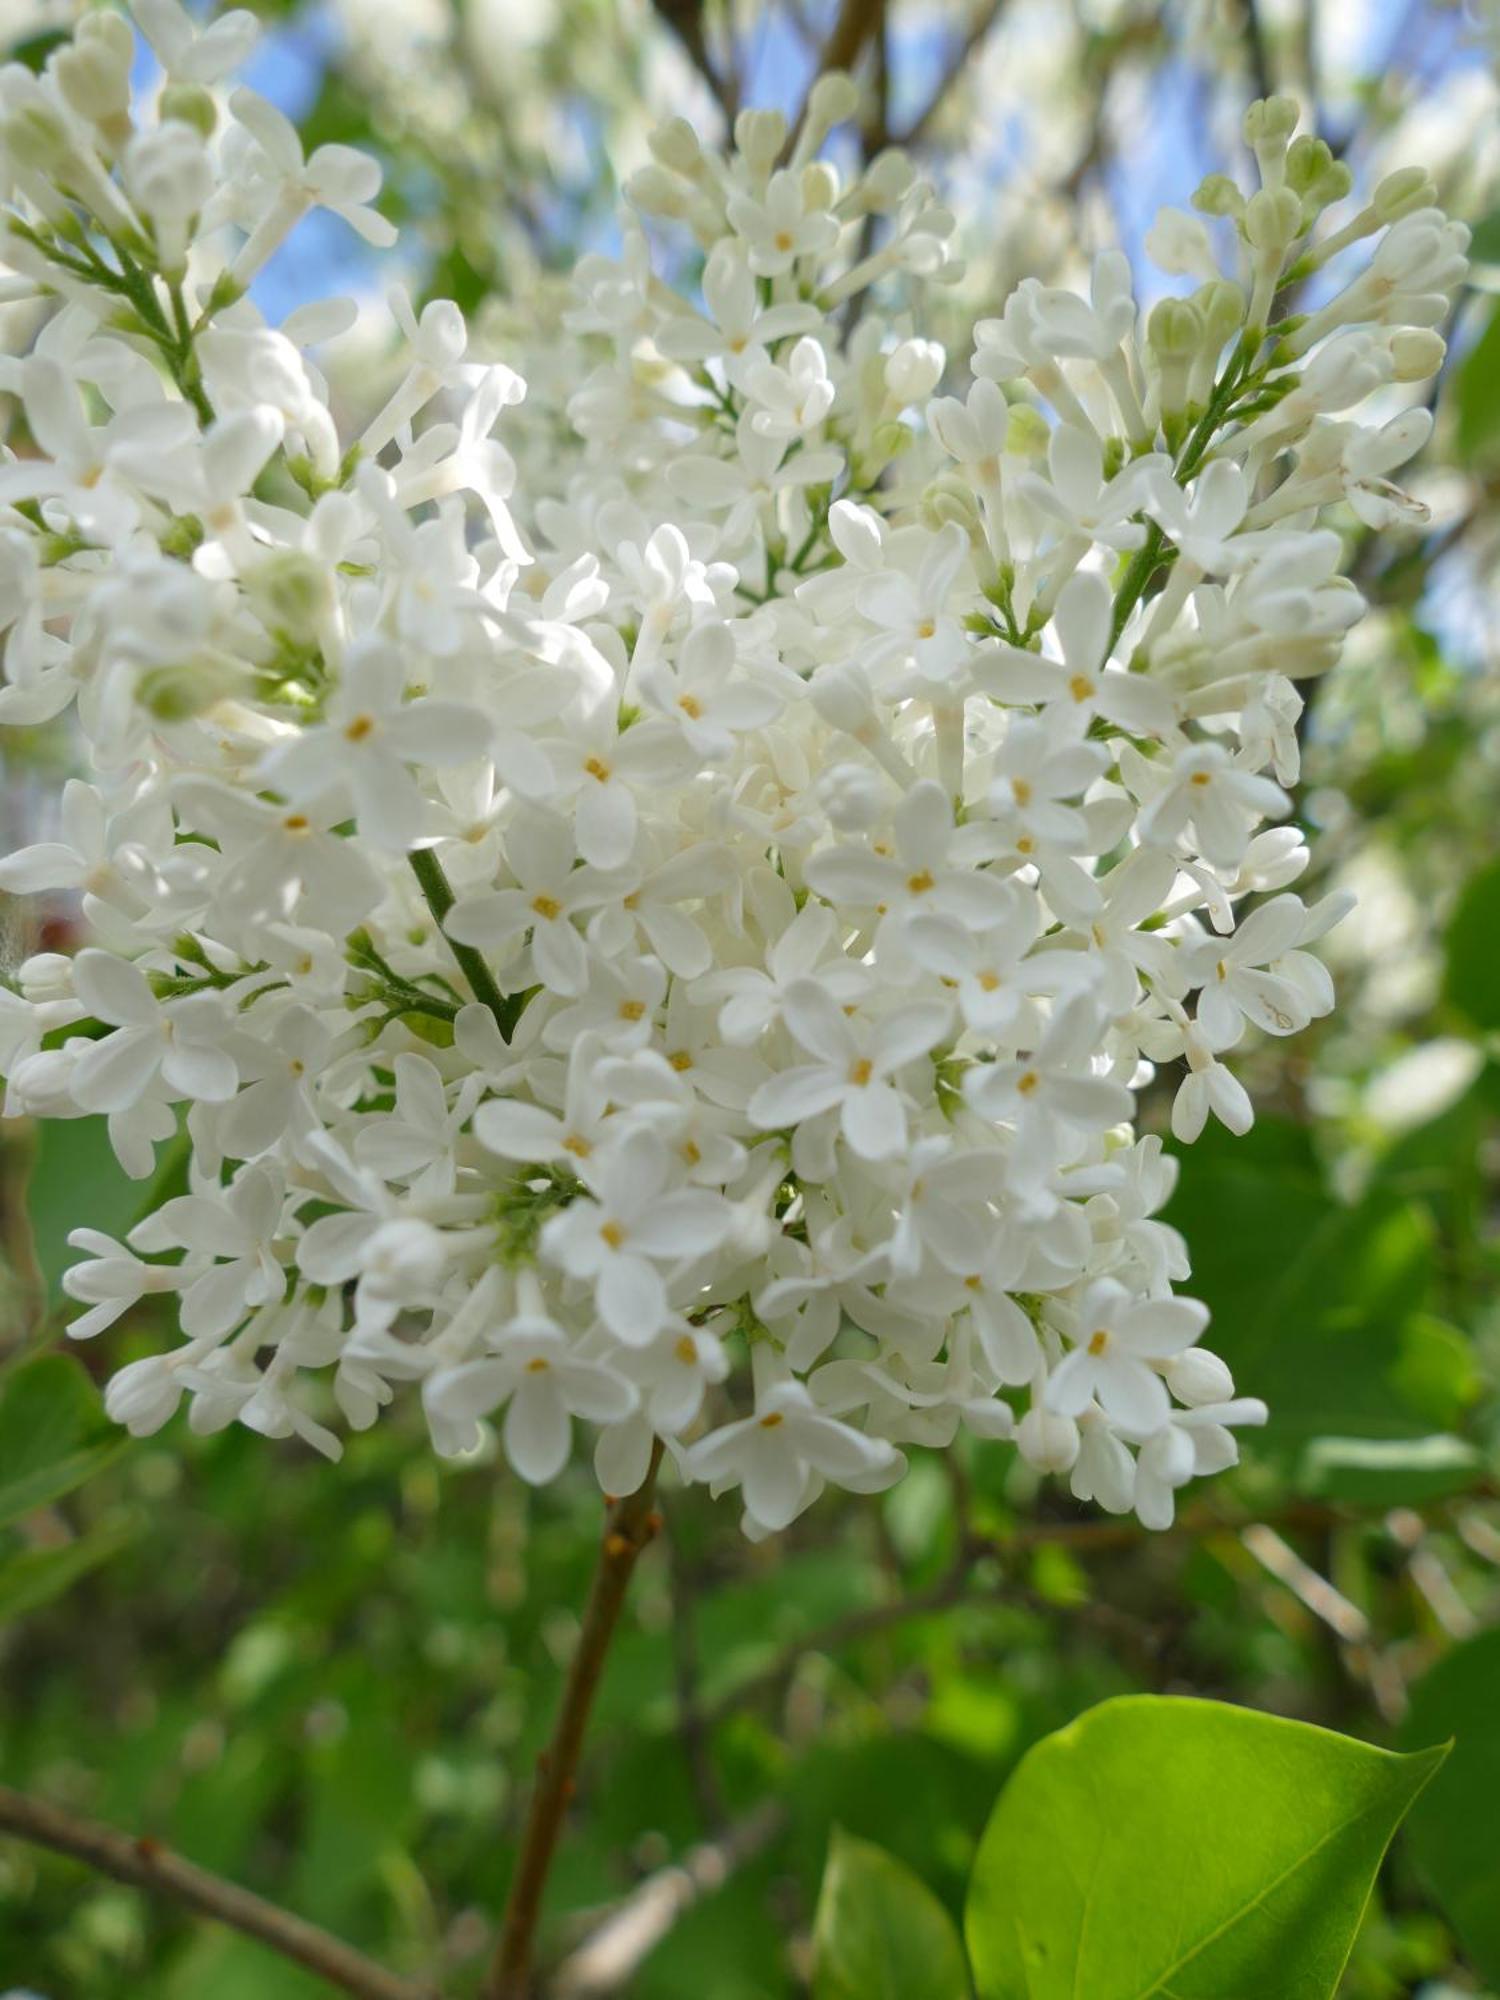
(1166, 1849)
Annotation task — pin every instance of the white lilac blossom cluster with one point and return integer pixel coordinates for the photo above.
(670, 935)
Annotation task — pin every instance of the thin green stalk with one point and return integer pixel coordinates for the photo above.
(438, 891)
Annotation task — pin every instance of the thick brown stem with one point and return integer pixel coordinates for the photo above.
(144, 1864)
(632, 1523)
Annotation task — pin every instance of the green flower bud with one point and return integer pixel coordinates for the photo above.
(1174, 329)
(179, 692)
(1307, 159)
(291, 594)
(1400, 193)
(1270, 122)
(1272, 219)
(1027, 432)
(1218, 195)
(949, 498)
(192, 105)
(1221, 307)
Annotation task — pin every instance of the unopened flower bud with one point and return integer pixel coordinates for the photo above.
(1416, 353)
(144, 1394)
(190, 104)
(760, 136)
(913, 371)
(820, 185)
(1217, 194)
(1272, 220)
(886, 179)
(854, 797)
(1047, 1441)
(178, 692)
(1221, 308)
(290, 593)
(1199, 1377)
(834, 99)
(841, 695)
(950, 499)
(92, 72)
(46, 975)
(676, 145)
(1402, 192)
(1174, 329)
(655, 191)
(1269, 124)
(1027, 432)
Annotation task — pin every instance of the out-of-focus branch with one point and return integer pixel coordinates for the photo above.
(631, 1932)
(964, 50)
(685, 19)
(1257, 51)
(144, 1864)
(857, 22)
(1082, 1538)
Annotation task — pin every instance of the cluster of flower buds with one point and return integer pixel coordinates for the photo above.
(664, 930)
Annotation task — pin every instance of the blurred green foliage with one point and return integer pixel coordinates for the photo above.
(332, 1686)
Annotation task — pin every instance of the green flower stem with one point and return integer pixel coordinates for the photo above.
(438, 892)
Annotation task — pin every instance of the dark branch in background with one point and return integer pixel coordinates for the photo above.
(857, 22)
(632, 1523)
(685, 19)
(964, 51)
(958, 1586)
(144, 1864)
(1257, 53)
(631, 1932)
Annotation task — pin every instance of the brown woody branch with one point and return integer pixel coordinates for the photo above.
(632, 1523)
(145, 1864)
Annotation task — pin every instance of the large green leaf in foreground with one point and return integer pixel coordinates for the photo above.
(1186, 1850)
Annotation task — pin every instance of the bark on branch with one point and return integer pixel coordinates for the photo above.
(145, 1864)
(632, 1523)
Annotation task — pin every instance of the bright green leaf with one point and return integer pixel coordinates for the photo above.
(1168, 1849)
(1455, 1831)
(52, 1433)
(880, 1933)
